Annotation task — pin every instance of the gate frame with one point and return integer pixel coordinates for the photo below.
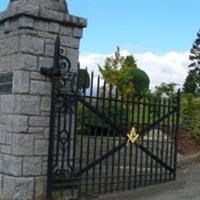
(55, 73)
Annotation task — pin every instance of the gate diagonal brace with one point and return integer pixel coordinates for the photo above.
(99, 114)
(138, 145)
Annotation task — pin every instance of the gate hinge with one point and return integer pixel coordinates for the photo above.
(53, 71)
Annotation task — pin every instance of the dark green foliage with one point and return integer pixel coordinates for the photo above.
(195, 53)
(196, 132)
(137, 77)
(83, 79)
(192, 81)
(117, 114)
(190, 84)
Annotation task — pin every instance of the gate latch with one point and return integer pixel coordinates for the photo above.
(132, 136)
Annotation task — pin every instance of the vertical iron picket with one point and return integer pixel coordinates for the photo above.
(131, 156)
(167, 142)
(114, 138)
(106, 186)
(163, 138)
(176, 131)
(101, 135)
(172, 136)
(142, 139)
(152, 138)
(51, 143)
(157, 138)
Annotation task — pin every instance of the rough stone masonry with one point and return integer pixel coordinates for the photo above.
(28, 29)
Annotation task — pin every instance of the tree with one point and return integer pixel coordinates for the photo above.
(190, 84)
(190, 110)
(192, 81)
(195, 53)
(83, 79)
(122, 72)
(167, 89)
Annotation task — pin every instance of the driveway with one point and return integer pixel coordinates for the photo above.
(186, 187)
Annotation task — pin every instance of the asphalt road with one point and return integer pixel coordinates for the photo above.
(186, 187)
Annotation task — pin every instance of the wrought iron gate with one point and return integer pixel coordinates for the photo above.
(89, 150)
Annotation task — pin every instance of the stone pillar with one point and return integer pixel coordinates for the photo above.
(28, 29)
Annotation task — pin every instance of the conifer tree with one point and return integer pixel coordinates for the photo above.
(192, 81)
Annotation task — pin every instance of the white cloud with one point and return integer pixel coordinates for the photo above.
(170, 67)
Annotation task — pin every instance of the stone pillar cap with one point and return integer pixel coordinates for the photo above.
(51, 10)
(55, 5)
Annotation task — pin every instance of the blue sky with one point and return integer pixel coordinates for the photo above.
(152, 25)
(138, 25)
(159, 33)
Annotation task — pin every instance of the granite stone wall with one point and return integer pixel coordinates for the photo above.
(27, 37)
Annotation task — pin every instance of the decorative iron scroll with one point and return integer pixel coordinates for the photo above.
(62, 125)
(60, 72)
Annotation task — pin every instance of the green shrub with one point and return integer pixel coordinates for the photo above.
(83, 79)
(196, 132)
(133, 77)
(190, 110)
(117, 114)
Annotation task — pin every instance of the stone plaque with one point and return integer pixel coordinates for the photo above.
(6, 83)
